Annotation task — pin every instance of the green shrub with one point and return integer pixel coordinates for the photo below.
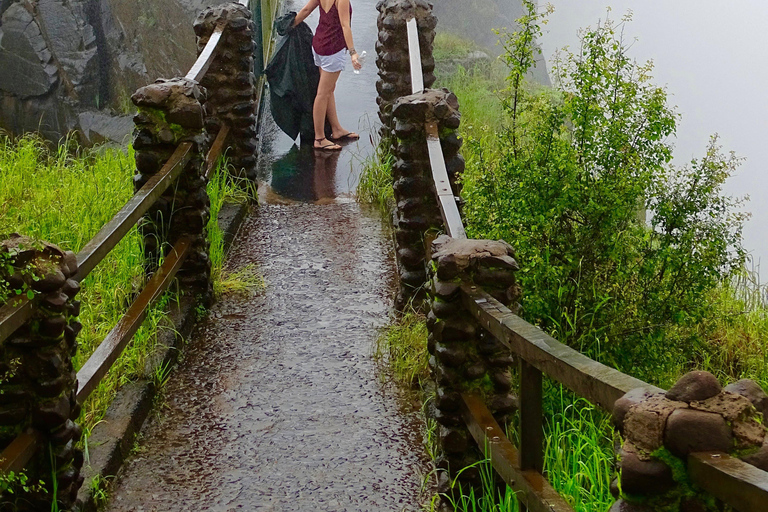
(567, 181)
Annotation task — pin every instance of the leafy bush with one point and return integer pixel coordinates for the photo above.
(567, 182)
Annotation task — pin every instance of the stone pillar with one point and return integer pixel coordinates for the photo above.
(417, 210)
(392, 53)
(661, 430)
(171, 112)
(38, 383)
(465, 357)
(231, 83)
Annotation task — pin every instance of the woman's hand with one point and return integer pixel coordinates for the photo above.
(356, 62)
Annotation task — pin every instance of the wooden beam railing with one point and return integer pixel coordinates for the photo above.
(16, 313)
(733, 481)
(448, 205)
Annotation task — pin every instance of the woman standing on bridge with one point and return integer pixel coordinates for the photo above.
(330, 46)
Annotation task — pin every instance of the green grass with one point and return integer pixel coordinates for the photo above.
(402, 349)
(65, 196)
(579, 458)
(375, 185)
(448, 46)
(222, 189)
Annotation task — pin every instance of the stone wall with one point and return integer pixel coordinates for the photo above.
(392, 57)
(171, 112)
(464, 356)
(38, 383)
(231, 83)
(661, 430)
(417, 214)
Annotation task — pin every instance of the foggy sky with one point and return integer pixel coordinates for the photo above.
(713, 57)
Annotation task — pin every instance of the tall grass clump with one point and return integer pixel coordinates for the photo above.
(578, 460)
(402, 347)
(375, 185)
(223, 189)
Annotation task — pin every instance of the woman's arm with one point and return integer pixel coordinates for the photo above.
(306, 11)
(343, 7)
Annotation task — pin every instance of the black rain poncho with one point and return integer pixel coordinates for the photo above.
(293, 79)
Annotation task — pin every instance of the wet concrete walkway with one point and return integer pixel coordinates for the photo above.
(278, 405)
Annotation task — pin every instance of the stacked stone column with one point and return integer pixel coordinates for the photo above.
(661, 430)
(170, 112)
(465, 357)
(231, 83)
(392, 56)
(38, 383)
(417, 211)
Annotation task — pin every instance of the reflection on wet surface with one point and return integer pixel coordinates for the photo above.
(278, 405)
(286, 165)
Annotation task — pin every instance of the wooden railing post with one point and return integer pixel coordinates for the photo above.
(392, 54)
(464, 356)
(231, 83)
(417, 210)
(670, 436)
(531, 418)
(170, 112)
(37, 379)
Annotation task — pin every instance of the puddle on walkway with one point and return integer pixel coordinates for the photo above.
(278, 405)
(289, 171)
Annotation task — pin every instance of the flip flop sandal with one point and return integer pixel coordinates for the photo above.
(327, 147)
(347, 136)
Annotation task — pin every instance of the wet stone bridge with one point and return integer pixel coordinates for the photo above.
(276, 403)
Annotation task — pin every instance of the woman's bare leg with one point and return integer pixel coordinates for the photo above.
(336, 129)
(324, 96)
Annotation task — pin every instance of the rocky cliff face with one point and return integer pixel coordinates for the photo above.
(73, 64)
(477, 20)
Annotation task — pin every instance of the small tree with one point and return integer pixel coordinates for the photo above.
(565, 183)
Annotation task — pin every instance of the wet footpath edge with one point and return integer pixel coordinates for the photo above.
(112, 440)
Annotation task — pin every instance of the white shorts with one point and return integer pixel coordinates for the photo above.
(331, 63)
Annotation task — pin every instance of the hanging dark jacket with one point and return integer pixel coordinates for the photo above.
(293, 78)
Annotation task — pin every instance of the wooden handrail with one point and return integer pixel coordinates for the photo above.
(598, 383)
(414, 53)
(17, 454)
(731, 480)
(13, 315)
(204, 60)
(217, 148)
(534, 490)
(449, 209)
(105, 355)
(114, 231)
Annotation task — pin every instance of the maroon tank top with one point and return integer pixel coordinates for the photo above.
(329, 36)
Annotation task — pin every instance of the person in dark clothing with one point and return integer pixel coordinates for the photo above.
(330, 46)
(293, 79)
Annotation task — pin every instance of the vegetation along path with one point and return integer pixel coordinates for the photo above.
(277, 405)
